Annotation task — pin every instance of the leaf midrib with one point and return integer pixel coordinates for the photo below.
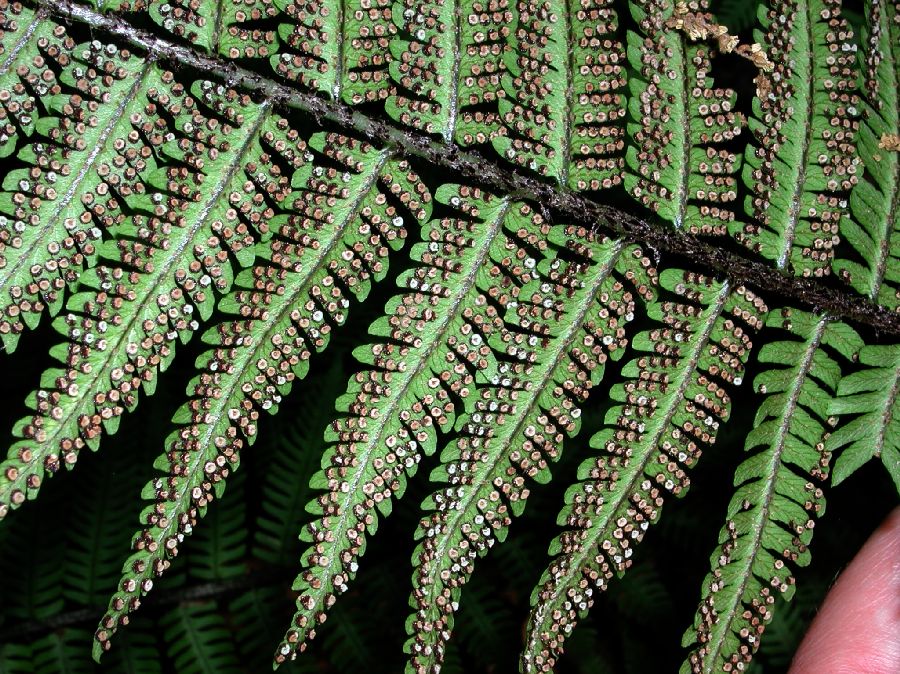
(232, 169)
(799, 185)
(549, 367)
(893, 199)
(21, 42)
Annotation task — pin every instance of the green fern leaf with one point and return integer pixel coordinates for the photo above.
(804, 122)
(218, 550)
(448, 71)
(434, 337)
(341, 49)
(30, 584)
(122, 327)
(673, 401)
(564, 106)
(770, 523)
(195, 21)
(284, 311)
(92, 554)
(875, 200)
(567, 325)
(679, 162)
(140, 202)
(15, 659)
(52, 216)
(428, 68)
(246, 31)
(19, 107)
(295, 457)
(875, 432)
(233, 28)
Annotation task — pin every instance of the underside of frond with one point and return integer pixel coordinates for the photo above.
(872, 395)
(804, 161)
(875, 199)
(563, 111)
(672, 404)
(284, 311)
(435, 338)
(122, 326)
(267, 173)
(770, 517)
(679, 163)
(556, 340)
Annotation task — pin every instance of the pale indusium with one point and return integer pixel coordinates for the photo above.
(573, 231)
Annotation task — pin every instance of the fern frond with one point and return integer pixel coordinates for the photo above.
(564, 106)
(434, 339)
(233, 28)
(73, 103)
(770, 516)
(642, 595)
(30, 583)
(872, 394)
(680, 165)
(341, 49)
(246, 29)
(122, 327)
(256, 620)
(195, 21)
(568, 324)
(448, 58)
(875, 199)
(139, 652)
(94, 537)
(673, 401)
(789, 625)
(198, 641)
(485, 622)
(284, 312)
(804, 122)
(349, 643)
